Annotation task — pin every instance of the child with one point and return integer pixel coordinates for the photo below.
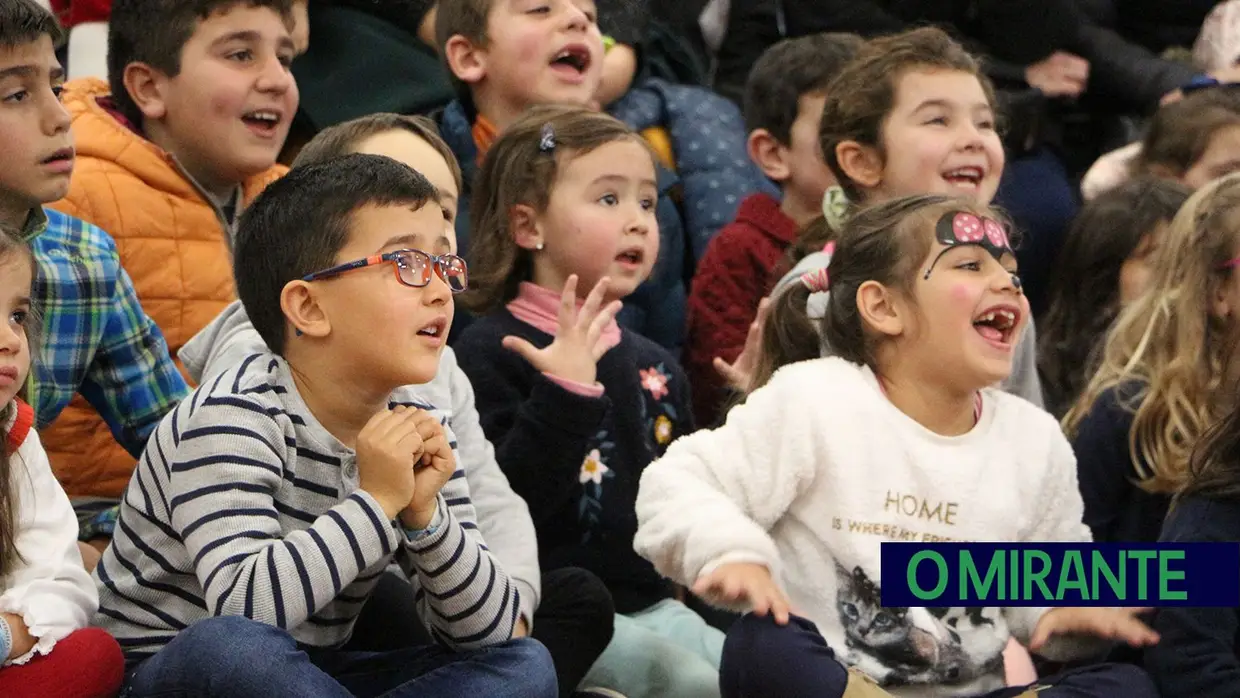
(911, 114)
(1164, 373)
(576, 407)
(783, 105)
(1190, 141)
(46, 597)
(97, 340)
(507, 56)
(1198, 656)
(795, 492)
(181, 138)
(270, 501)
(569, 609)
(1106, 263)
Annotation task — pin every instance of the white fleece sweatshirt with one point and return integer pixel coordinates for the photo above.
(48, 587)
(817, 468)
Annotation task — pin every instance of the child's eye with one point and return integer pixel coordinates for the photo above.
(648, 204)
(970, 266)
(19, 96)
(540, 10)
(986, 124)
(241, 56)
(19, 317)
(286, 60)
(939, 120)
(59, 91)
(608, 199)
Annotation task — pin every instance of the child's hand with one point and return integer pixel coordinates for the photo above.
(433, 467)
(1109, 623)
(739, 373)
(388, 447)
(745, 581)
(578, 341)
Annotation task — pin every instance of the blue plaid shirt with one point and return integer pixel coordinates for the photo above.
(96, 339)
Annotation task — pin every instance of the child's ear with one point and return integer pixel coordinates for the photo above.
(862, 163)
(523, 222)
(303, 311)
(145, 86)
(768, 154)
(466, 61)
(879, 310)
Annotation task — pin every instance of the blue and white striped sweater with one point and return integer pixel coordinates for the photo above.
(244, 505)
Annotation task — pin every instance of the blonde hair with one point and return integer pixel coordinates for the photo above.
(1170, 343)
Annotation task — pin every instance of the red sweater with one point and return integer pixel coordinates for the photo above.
(730, 281)
(75, 12)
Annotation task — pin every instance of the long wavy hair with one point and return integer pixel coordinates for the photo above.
(1171, 344)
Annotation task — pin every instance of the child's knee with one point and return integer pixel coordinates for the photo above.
(228, 644)
(529, 665)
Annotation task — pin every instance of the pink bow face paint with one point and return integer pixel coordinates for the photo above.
(958, 228)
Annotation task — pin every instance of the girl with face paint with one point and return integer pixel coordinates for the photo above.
(898, 437)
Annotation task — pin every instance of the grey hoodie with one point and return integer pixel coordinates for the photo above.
(1022, 382)
(503, 517)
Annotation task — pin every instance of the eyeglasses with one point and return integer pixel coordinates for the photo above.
(413, 268)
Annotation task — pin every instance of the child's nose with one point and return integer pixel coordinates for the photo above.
(576, 17)
(276, 77)
(10, 339)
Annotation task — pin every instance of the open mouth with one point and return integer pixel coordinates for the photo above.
(965, 177)
(264, 121)
(576, 57)
(631, 258)
(437, 328)
(998, 325)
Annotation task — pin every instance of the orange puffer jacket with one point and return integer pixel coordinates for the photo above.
(171, 240)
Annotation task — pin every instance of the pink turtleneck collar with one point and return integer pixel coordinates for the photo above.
(540, 307)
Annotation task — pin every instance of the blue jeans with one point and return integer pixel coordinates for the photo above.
(241, 658)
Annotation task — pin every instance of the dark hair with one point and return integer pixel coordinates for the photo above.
(343, 138)
(862, 96)
(885, 242)
(789, 70)
(467, 18)
(155, 32)
(10, 244)
(24, 21)
(1085, 289)
(1180, 132)
(517, 171)
(1214, 466)
(300, 223)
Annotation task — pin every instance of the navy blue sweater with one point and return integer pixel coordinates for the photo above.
(1197, 656)
(1116, 510)
(578, 460)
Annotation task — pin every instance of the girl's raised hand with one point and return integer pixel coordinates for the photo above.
(739, 373)
(578, 341)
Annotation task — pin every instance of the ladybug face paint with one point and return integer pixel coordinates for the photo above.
(958, 228)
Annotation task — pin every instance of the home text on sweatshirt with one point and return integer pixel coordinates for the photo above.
(818, 468)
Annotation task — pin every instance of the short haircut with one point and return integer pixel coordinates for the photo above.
(155, 32)
(300, 223)
(344, 138)
(25, 21)
(789, 70)
(467, 18)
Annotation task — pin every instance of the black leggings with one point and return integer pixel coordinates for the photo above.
(765, 660)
